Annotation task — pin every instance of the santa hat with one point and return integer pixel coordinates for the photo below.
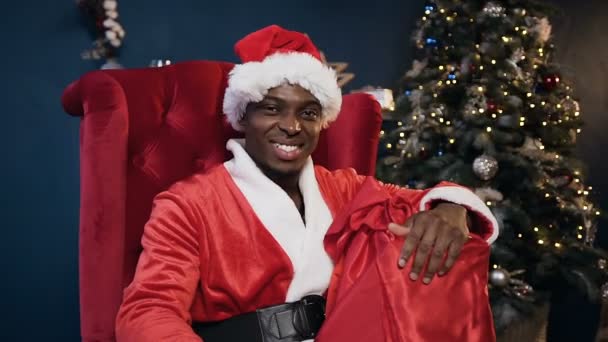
(274, 56)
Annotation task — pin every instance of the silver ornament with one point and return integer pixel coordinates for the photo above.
(485, 167)
(499, 277)
(601, 264)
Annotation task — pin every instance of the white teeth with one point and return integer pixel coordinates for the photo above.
(286, 148)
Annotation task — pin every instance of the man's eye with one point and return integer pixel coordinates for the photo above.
(271, 108)
(310, 114)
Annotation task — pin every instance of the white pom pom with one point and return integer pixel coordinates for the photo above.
(109, 23)
(111, 35)
(109, 5)
(112, 14)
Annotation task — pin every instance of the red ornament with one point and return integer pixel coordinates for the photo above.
(491, 106)
(550, 82)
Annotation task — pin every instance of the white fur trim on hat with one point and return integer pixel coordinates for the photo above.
(250, 82)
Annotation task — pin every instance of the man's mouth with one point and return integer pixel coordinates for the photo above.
(287, 152)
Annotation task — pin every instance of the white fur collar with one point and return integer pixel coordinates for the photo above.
(303, 243)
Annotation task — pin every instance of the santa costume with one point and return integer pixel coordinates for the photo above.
(230, 241)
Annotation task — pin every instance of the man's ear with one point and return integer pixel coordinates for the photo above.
(243, 120)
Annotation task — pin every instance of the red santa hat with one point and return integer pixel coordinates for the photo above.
(274, 56)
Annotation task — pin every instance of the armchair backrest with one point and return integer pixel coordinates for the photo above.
(143, 129)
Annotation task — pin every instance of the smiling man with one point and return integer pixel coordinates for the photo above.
(236, 254)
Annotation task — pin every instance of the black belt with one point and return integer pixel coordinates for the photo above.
(288, 322)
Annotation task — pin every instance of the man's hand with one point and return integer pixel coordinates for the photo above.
(433, 233)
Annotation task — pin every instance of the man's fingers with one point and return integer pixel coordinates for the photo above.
(437, 256)
(453, 253)
(402, 230)
(398, 229)
(411, 241)
(424, 248)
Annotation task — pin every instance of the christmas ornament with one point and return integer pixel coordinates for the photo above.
(485, 167)
(491, 106)
(431, 42)
(601, 264)
(510, 284)
(493, 10)
(550, 81)
(499, 277)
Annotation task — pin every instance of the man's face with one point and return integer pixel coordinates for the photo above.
(282, 130)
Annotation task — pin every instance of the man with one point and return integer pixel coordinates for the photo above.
(235, 244)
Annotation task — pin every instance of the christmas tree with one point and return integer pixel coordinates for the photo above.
(484, 105)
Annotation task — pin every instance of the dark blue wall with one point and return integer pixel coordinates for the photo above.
(42, 41)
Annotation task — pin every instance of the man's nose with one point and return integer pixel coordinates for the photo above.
(290, 124)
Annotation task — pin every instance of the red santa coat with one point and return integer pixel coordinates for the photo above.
(231, 241)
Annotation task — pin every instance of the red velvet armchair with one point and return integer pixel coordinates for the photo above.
(143, 129)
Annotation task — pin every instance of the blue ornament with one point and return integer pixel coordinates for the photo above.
(431, 41)
(408, 92)
(429, 7)
(452, 76)
(439, 153)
